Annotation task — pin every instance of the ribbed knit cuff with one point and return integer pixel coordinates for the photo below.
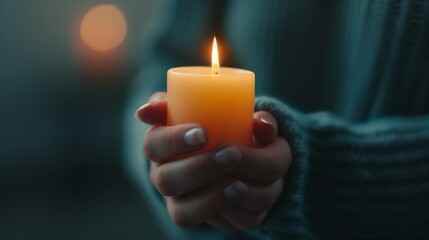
(366, 180)
(285, 218)
(361, 179)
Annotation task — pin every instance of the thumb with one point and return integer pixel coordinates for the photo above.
(155, 111)
(264, 127)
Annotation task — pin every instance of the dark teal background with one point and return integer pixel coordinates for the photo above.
(60, 141)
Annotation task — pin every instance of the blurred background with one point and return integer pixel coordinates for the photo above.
(62, 175)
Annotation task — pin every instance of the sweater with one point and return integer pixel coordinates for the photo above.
(347, 81)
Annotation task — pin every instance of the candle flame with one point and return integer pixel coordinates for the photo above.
(215, 58)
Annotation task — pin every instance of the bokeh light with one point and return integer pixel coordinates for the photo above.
(103, 27)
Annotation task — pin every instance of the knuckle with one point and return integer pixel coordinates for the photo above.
(212, 205)
(172, 139)
(201, 168)
(177, 215)
(152, 175)
(162, 182)
(148, 148)
(274, 170)
(208, 205)
(245, 164)
(149, 152)
(277, 167)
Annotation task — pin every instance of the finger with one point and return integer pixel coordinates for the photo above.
(191, 210)
(260, 198)
(155, 111)
(243, 219)
(266, 164)
(158, 97)
(264, 127)
(220, 223)
(163, 142)
(180, 177)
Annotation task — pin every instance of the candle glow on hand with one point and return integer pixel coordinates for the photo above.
(215, 58)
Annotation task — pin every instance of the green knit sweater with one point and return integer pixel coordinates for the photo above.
(348, 82)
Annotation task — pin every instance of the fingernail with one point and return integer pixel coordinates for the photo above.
(140, 108)
(155, 99)
(227, 156)
(234, 190)
(266, 121)
(195, 136)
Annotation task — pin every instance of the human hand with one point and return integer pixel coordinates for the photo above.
(230, 187)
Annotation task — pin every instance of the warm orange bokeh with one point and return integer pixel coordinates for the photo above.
(103, 27)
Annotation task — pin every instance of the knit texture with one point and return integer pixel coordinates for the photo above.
(290, 202)
(352, 181)
(348, 82)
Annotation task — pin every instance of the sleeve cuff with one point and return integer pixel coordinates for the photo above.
(285, 217)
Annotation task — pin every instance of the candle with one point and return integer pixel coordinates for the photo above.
(221, 99)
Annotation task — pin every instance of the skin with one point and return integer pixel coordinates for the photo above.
(194, 187)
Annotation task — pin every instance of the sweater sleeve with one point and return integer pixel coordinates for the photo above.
(361, 180)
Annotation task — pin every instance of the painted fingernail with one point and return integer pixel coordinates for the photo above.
(266, 121)
(140, 108)
(234, 190)
(155, 99)
(227, 156)
(195, 136)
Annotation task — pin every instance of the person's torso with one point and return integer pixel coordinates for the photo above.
(358, 59)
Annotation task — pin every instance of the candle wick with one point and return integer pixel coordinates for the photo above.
(215, 69)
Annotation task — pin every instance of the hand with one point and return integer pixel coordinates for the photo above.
(229, 187)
